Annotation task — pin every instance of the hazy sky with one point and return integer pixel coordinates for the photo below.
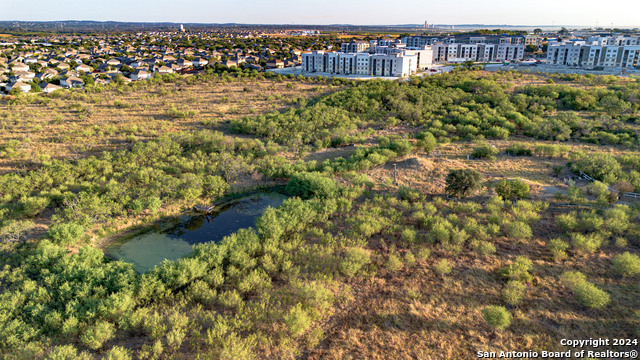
(374, 12)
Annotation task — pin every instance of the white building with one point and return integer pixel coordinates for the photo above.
(367, 64)
(605, 52)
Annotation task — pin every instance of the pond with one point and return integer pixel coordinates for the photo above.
(175, 241)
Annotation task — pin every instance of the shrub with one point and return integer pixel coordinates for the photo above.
(66, 234)
(587, 294)
(567, 221)
(599, 166)
(484, 247)
(297, 320)
(586, 243)
(409, 235)
(484, 151)
(518, 230)
(443, 267)
(401, 147)
(96, 335)
(394, 263)
(572, 278)
(513, 189)
(617, 219)
(519, 270)
(427, 142)
(626, 264)
(117, 353)
(354, 260)
(518, 149)
(307, 185)
(67, 352)
(423, 253)
(462, 182)
(590, 296)
(513, 292)
(558, 248)
(409, 259)
(497, 317)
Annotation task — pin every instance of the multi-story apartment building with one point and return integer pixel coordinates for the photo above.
(394, 64)
(355, 47)
(605, 52)
(474, 48)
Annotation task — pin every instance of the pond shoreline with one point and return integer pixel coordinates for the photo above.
(172, 238)
(146, 226)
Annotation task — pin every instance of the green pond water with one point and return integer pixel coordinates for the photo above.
(176, 241)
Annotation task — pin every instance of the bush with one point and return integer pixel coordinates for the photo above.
(518, 230)
(427, 142)
(401, 147)
(587, 294)
(513, 189)
(66, 234)
(96, 335)
(558, 248)
(443, 267)
(497, 317)
(626, 264)
(590, 296)
(297, 320)
(567, 221)
(117, 353)
(603, 167)
(354, 260)
(484, 151)
(586, 243)
(513, 292)
(409, 259)
(423, 253)
(393, 264)
(67, 352)
(307, 185)
(519, 270)
(462, 182)
(519, 150)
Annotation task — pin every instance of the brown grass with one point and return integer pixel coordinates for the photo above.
(79, 125)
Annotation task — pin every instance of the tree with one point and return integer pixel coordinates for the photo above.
(462, 182)
(537, 31)
(513, 189)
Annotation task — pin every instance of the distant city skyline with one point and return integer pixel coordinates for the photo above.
(621, 13)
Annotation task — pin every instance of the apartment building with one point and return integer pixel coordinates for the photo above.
(355, 47)
(368, 64)
(605, 52)
(471, 48)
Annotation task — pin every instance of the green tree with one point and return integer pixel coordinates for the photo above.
(462, 182)
(513, 189)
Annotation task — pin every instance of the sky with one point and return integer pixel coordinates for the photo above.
(359, 12)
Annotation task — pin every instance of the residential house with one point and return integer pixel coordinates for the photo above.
(83, 68)
(16, 66)
(140, 75)
(48, 88)
(72, 82)
(18, 85)
(47, 73)
(164, 70)
(275, 64)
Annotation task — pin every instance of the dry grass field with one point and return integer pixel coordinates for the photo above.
(77, 124)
